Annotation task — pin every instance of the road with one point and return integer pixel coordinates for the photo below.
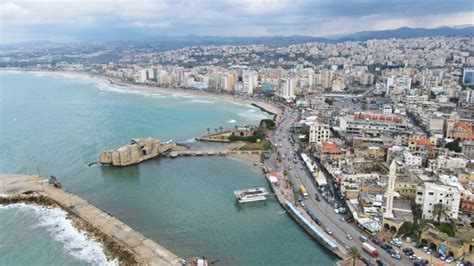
(321, 209)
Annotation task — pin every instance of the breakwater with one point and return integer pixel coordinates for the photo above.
(17, 188)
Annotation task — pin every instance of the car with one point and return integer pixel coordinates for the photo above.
(419, 245)
(336, 211)
(437, 255)
(396, 256)
(386, 247)
(342, 219)
(363, 238)
(429, 251)
(316, 196)
(349, 220)
(374, 239)
(443, 257)
(379, 262)
(449, 259)
(408, 251)
(317, 221)
(302, 204)
(425, 249)
(348, 236)
(328, 231)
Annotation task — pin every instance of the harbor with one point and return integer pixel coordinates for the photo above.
(146, 251)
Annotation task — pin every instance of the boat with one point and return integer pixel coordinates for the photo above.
(251, 194)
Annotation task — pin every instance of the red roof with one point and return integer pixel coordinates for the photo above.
(377, 117)
(463, 125)
(420, 141)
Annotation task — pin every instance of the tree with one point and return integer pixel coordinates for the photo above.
(440, 210)
(208, 131)
(236, 127)
(220, 128)
(353, 255)
(215, 129)
(453, 146)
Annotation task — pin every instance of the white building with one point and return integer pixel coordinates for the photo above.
(250, 81)
(443, 162)
(319, 132)
(287, 86)
(431, 194)
(411, 160)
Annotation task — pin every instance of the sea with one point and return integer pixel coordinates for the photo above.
(55, 123)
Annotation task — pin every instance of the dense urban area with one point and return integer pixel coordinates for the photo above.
(377, 139)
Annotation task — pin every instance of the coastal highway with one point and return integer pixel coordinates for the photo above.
(321, 209)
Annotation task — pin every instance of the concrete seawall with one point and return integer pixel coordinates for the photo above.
(148, 251)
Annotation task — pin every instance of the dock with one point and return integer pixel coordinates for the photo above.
(175, 154)
(147, 251)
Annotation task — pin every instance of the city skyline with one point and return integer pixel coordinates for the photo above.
(110, 20)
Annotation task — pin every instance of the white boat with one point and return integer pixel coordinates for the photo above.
(251, 194)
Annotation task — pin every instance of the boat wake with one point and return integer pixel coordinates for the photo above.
(231, 121)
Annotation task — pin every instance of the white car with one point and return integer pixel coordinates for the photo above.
(336, 211)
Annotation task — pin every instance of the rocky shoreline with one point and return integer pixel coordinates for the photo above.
(113, 250)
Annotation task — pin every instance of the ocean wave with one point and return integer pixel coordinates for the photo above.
(54, 220)
(231, 121)
(190, 140)
(200, 101)
(252, 115)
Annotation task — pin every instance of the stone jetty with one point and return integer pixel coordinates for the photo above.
(147, 251)
(137, 151)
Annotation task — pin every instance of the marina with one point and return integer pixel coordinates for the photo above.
(251, 194)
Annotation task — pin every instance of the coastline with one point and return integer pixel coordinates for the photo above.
(119, 241)
(263, 106)
(110, 247)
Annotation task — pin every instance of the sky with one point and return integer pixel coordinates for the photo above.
(101, 20)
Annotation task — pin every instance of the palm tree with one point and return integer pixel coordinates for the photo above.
(208, 131)
(419, 227)
(440, 210)
(353, 255)
(215, 129)
(220, 128)
(236, 127)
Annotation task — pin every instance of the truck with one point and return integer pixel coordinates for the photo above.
(304, 192)
(369, 249)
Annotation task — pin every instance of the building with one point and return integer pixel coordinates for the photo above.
(372, 124)
(328, 150)
(468, 77)
(422, 146)
(319, 132)
(249, 81)
(458, 130)
(431, 194)
(287, 86)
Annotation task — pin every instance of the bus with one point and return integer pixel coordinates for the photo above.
(303, 191)
(369, 249)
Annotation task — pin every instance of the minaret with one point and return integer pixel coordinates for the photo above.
(390, 190)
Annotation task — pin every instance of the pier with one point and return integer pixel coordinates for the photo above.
(147, 251)
(174, 154)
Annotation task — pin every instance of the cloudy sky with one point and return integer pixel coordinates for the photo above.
(75, 20)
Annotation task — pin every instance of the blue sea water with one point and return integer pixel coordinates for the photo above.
(56, 124)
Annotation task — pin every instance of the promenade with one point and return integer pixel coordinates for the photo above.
(147, 251)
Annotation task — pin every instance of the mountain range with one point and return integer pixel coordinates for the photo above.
(169, 42)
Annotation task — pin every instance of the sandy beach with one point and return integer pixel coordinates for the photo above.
(264, 106)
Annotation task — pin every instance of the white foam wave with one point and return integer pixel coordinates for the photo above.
(200, 101)
(61, 229)
(232, 121)
(252, 115)
(190, 140)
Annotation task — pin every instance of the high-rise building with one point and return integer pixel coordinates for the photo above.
(468, 77)
(249, 81)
